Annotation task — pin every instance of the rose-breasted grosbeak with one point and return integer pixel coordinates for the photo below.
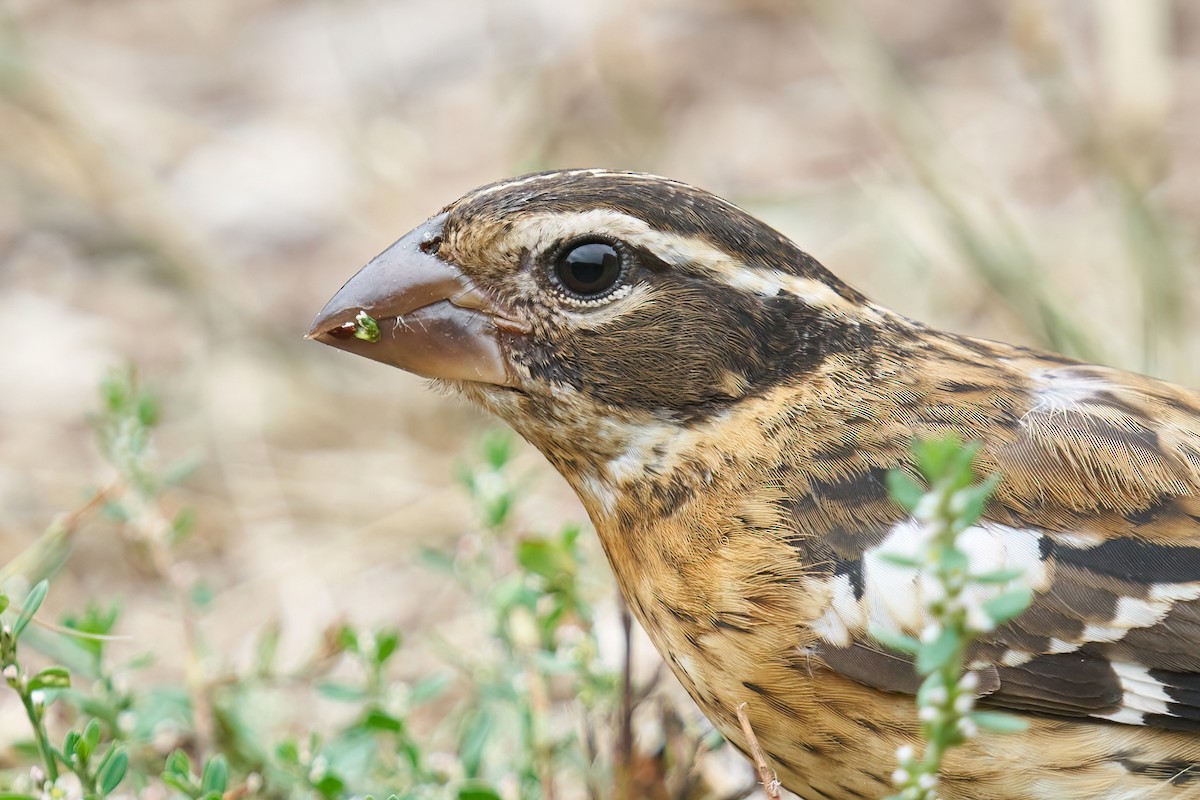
(727, 410)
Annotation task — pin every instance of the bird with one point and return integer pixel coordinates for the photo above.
(728, 410)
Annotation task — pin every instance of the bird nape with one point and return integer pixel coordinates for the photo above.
(726, 409)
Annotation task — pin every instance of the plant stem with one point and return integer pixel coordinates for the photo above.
(39, 735)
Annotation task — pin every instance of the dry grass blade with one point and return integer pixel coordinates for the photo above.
(766, 775)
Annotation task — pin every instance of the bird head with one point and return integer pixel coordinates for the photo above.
(574, 304)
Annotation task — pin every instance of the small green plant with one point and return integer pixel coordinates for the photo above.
(946, 700)
(366, 328)
(526, 710)
(97, 769)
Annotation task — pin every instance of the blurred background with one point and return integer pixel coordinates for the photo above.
(184, 184)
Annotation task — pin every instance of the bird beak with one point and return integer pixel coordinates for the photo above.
(412, 310)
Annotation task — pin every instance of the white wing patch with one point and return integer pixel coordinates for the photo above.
(1141, 695)
(894, 597)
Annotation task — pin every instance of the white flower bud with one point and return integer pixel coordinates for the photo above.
(978, 619)
(11, 672)
(928, 714)
(969, 682)
(967, 727)
(905, 753)
(936, 696)
(964, 703)
(927, 506)
(927, 781)
(126, 721)
(900, 776)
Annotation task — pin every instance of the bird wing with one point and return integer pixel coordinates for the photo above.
(1099, 504)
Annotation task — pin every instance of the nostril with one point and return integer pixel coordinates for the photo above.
(431, 245)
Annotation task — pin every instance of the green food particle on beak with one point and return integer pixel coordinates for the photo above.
(366, 328)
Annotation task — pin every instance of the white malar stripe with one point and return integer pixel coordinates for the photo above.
(599, 493)
(642, 442)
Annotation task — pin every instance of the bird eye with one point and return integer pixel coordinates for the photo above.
(588, 270)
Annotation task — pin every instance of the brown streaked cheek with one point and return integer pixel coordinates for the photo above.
(701, 345)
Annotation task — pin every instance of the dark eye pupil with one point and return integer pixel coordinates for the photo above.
(589, 269)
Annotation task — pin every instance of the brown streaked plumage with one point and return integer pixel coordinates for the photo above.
(726, 410)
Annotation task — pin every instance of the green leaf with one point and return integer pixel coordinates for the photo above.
(999, 576)
(904, 490)
(202, 595)
(342, 692)
(976, 499)
(955, 560)
(436, 559)
(474, 739)
(477, 792)
(429, 688)
(347, 638)
(182, 525)
(366, 328)
(113, 771)
(330, 786)
(216, 775)
(51, 678)
(895, 640)
(288, 751)
(146, 409)
(32, 602)
(934, 456)
(381, 721)
(3, 603)
(937, 653)
(997, 722)
(387, 641)
(179, 783)
(1008, 605)
(898, 560)
(265, 649)
(178, 763)
(544, 558)
(497, 449)
(72, 745)
(91, 735)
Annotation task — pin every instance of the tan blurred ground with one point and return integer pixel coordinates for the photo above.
(183, 184)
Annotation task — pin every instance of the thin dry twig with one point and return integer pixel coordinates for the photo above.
(766, 775)
(624, 774)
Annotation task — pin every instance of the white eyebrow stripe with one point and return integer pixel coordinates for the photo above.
(676, 250)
